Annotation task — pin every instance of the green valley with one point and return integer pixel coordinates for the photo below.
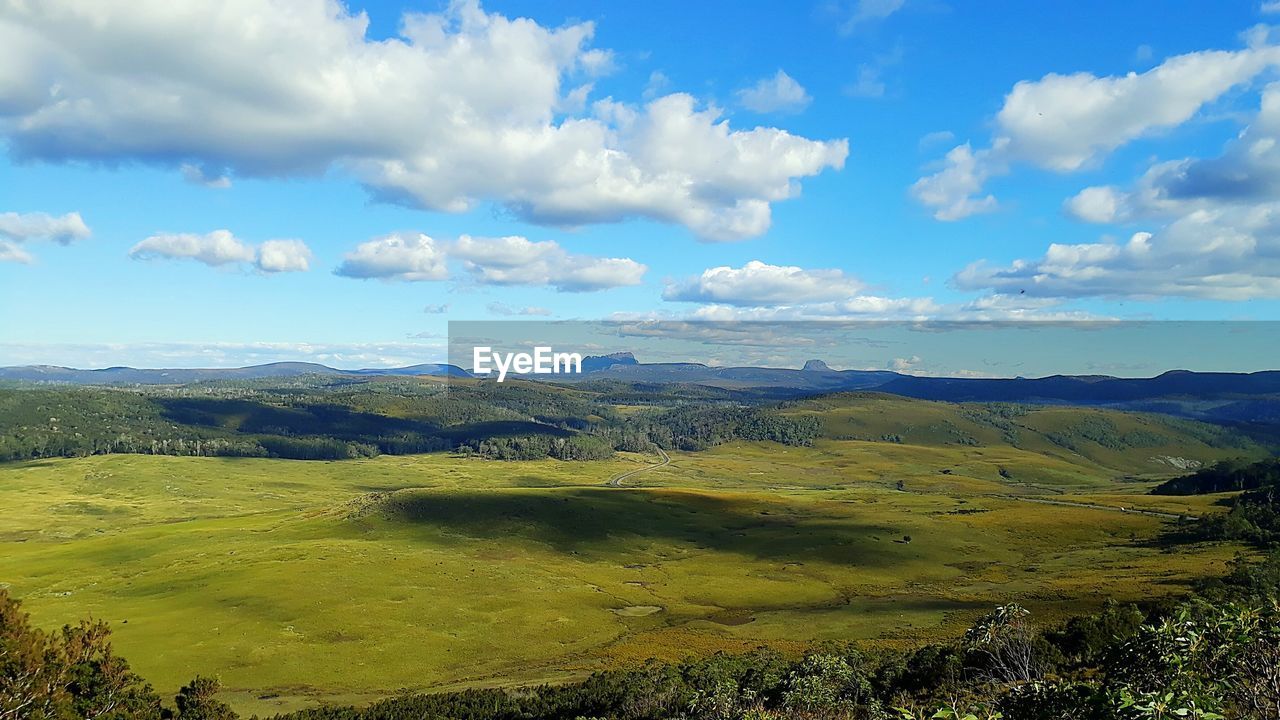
(300, 582)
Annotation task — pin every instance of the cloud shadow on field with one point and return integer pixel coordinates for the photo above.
(622, 521)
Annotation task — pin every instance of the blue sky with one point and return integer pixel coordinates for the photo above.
(753, 160)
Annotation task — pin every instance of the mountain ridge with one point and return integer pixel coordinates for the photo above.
(1216, 396)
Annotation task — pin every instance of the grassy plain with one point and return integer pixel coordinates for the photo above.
(301, 582)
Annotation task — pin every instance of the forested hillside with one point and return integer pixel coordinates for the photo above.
(318, 419)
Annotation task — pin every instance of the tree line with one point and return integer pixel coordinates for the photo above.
(523, 422)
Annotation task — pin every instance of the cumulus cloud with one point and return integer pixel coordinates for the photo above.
(497, 308)
(18, 228)
(220, 248)
(1246, 173)
(1210, 229)
(953, 192)
(759, 291)
(779, 93)
(462, 107)
(861, 307)
(516, 260)
(23, 227)
(1017, 307)
(1095, 204)
(1216, 254)
(283, 256)
(758, 283)
(349, 356)
(1063, 123)
(509, 260)
(904, 364)
(411, 257)
(217, 248)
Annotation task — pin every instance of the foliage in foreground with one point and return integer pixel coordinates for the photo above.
(73, 673)
(1216, 655)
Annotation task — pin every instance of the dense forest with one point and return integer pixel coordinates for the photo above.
(1213, 655)
(1252, 516)
(1225, 476)
(326, 419)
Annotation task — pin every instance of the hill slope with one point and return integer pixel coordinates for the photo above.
(1128, 442)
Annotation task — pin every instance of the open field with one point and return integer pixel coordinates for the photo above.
(299, 582)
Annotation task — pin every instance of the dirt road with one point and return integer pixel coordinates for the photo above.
(617, 481)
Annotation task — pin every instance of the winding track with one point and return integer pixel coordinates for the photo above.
(1092, 506)
(617, 481)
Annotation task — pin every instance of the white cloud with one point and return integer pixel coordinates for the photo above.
(23, 227)
(779, 93)
(284, 256)
(759, 291)
(346, 356)
(1247, 173)
(436, 309)
(758, 284)
(904, 364)
(1225, 254)
(1064, 123)
(953, 191)
(412, 257)
(1017, 307)
(217, 248)
(518, 261)
(497, 308)
(762, 292)
(1095, 204)
(220, 248)
(1270, 8)
(861, 307)
(463, 107)
(510, 260)
(18, 228)
(1215, 229)
(12, 252)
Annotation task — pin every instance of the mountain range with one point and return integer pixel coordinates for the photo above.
(1251, 398)
(178, 376)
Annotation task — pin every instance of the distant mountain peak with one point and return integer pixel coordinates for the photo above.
(816, 366)
(595, 363)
